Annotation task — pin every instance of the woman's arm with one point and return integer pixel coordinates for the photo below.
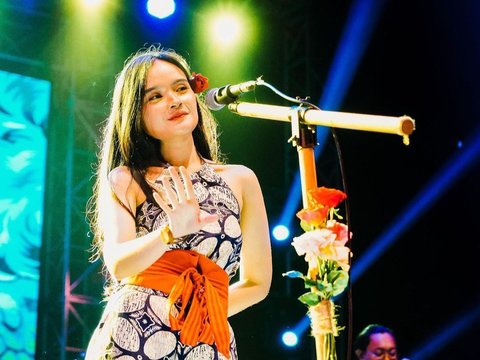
(255, 258)
(125, 254)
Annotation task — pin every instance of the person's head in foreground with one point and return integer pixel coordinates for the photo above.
(375, 342)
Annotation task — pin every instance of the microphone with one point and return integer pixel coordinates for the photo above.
(217, 98)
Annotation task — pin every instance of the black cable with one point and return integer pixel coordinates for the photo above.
(347, 217)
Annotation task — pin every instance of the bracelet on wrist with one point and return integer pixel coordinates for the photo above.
(166, 235)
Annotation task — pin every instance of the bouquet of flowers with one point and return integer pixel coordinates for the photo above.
(328, 258)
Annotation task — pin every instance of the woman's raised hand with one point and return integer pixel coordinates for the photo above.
(181, 206)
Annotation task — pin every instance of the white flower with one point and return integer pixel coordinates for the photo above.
(312, 242)
(322, 243)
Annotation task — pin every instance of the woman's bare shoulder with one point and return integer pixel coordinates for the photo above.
(234, 170)
(123, 184)
(240, 178)
(120, 177)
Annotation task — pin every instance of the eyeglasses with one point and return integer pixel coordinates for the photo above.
(380, 353)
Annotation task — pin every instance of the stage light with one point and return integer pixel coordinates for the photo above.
(290, 339)
(280, 232)
(92, 4)
(161, 8)
(226, 33)
(226, 29)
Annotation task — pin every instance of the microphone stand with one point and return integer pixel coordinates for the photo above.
(303, 121)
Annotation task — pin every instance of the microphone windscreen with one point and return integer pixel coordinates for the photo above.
(210, 100)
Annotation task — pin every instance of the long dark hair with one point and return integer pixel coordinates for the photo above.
(126, 143)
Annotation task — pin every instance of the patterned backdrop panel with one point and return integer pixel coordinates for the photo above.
(24, 107)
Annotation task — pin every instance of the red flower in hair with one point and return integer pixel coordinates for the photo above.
(198, 82)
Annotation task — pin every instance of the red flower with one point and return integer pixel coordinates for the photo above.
(327, 197)
(339, 229)
(313, 217)
(198, 82)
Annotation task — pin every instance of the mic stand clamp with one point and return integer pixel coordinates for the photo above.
(304, 139)
(303, 135)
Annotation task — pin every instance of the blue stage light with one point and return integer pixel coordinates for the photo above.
(161, 8)
(281, 233)
(290, 339)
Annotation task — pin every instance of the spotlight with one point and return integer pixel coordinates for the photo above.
(161, 8)
(226, 29)
(92, 4)
(290, 339)
(280, 232)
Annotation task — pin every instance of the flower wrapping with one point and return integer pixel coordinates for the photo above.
(323, 318)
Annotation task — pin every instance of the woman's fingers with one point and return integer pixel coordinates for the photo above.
(163, 205)
(171, 194)
(179, 187)
(188, 183)
(181, 205)
(183, 189)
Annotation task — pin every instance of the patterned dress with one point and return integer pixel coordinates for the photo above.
(135, 322)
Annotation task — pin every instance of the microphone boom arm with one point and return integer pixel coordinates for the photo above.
(403, 125)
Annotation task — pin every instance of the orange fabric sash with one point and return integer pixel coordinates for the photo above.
(201, 286)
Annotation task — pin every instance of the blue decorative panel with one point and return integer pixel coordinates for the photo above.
(24, 107)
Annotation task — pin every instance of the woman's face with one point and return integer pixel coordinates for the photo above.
(169, 104)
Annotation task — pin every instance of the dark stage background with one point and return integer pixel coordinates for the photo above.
(421, 59)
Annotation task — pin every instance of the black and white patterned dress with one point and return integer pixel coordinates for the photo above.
(135, 322)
